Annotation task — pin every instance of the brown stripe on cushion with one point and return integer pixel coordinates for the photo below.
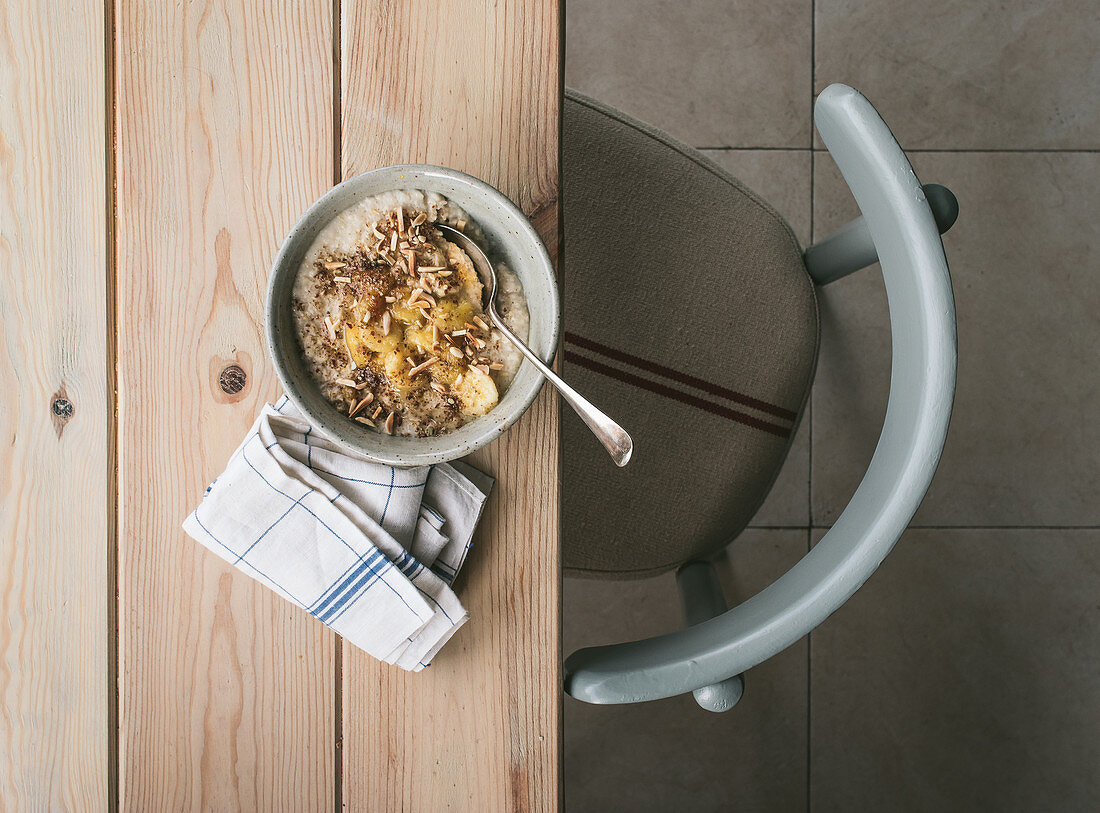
(574, 357)
(682, 377)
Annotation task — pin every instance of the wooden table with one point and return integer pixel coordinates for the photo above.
(153, 156)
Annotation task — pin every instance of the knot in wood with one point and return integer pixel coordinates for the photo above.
(62, 408)
(232, 379)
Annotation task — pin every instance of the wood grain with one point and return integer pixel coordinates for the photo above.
(224, 136)
(53, 462)
(477, 87)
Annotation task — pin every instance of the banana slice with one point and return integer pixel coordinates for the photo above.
(464, 274)
(404, 314)
(420, 338)
(365, 340)
(452, 314)
(476, 393)
(397, 369)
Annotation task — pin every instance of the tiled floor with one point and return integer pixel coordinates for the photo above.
(966, 674)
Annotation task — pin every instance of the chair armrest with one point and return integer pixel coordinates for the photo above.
(702, 599)
(922, 386)
(851, 248)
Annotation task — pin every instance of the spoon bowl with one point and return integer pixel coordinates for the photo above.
(613, 437)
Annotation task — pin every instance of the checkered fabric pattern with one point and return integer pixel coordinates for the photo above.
(368, 549)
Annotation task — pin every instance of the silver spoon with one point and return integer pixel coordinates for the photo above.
(613, 437)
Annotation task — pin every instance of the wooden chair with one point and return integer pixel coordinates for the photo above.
(690, 310)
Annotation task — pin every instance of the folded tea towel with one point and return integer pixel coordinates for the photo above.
(368, 549)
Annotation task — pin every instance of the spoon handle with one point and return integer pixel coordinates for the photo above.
(613, 437)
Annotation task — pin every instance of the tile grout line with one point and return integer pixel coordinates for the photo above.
(999, 150)
(114, 766)
(337, 177)
(948, 150)
(810, 426)
(937, 527)
(756, 149)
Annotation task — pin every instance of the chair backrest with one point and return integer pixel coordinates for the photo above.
(922, 386)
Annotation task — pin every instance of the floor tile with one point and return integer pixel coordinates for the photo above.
(783, 179)
(670, 754)
(976, 75)
(788, 502)
(962, 676)
(713, 73)
(1024, 254)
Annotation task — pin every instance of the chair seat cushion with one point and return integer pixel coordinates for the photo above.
(690, 319)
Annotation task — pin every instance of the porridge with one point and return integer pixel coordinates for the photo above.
(389, 317)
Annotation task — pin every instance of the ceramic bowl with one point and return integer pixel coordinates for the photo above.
(509, 238)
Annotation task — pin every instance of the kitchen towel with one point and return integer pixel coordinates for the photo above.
(368, 549)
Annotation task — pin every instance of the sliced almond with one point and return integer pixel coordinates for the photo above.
(334, 264)
(345, 382)
(419, 368)
(389, 423)
(410, 258)
(387, 321)
(344, 280)
(481, 323)
(483, 368)
(427, 269)
(377, 234)
(393, 241)
(454, 351)
(415, 295)
(461, 225)
(366, 400)
(331, 328)
(459, 332)
(496, 365)
(400, 219)
(423, 304)
(435, 335)
(365, 421)
(377, 411)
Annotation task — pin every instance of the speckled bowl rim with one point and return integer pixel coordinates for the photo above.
(459, 187)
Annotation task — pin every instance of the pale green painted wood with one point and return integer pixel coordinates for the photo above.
(922, 386)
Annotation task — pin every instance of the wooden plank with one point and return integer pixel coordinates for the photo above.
(224, 128)
(54, 489)
(474, 86)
